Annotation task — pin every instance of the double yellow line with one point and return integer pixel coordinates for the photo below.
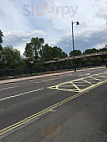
(26, 120)
(46, 110)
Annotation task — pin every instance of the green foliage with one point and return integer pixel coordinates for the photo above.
(103, 49)
(58, 53)
(10, 58)
(37, 53)
(88, 51)
(75, 53)
(48, 53)
(33, 48)
(1, 35)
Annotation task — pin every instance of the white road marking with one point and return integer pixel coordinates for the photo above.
(8, 88)
(21, 94)
(38, 82)
(84, 74)
(46, 80)
(52, 79)
(70, 75)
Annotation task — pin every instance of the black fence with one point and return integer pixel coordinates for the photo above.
(15, 73)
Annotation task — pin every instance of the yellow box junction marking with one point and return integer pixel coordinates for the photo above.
(81, 84)
(46, 110)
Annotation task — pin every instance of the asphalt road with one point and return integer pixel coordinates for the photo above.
(67, 108)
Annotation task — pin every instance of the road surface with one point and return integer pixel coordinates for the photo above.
(62, 108)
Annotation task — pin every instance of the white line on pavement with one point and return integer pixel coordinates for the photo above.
(84, 74)
(46, 80)
(8, 88)
(21, 94)
(38, 82)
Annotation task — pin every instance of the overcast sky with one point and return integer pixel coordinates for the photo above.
(24, 19)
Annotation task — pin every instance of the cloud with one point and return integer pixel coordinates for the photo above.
(78, 10)
(85, 40)
(19, 39)
(11, 17)
(55, 24)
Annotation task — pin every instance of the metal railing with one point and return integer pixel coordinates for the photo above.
(16, 73)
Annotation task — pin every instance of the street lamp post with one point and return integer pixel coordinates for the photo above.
(73, 35)
(77, 23)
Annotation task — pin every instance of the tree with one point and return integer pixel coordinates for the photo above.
(103, 49)
(1, 35)
(75, 53)
(10, 58)
(88, 51)
(58, 53)
(46, 53)
(33, 48)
